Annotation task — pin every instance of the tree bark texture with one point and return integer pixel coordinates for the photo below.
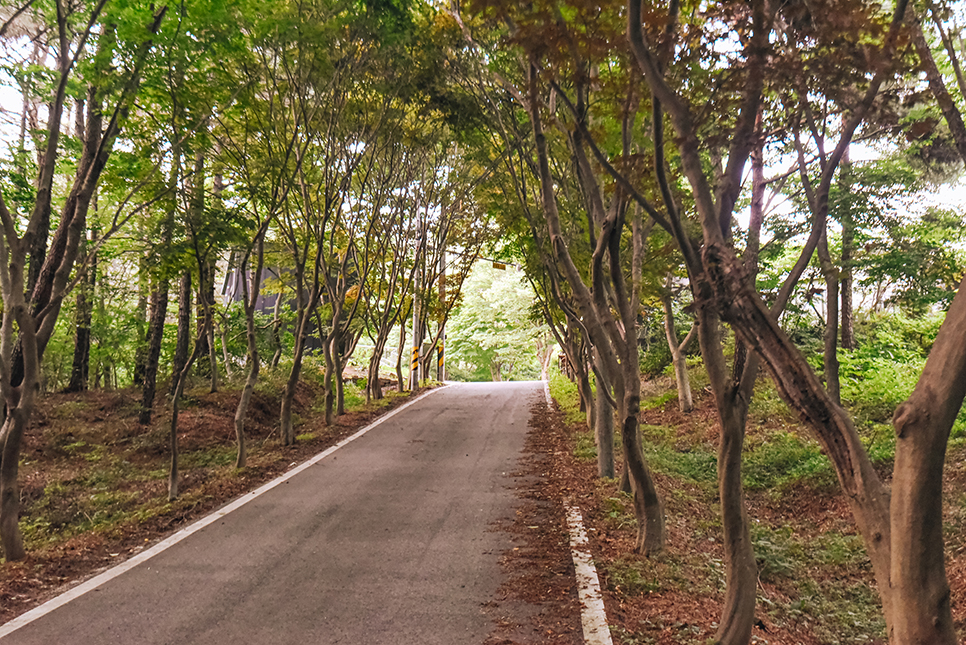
(604, 431)
(831, 338)
(400, 355)
(288, 396)
(183, 341)
(678, 356)
(741, 569)
(800, 388)
(250, 297)
(141, 350)
(922, 423)
(83, 316)
(159, 311)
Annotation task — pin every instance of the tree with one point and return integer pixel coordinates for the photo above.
(27, 325)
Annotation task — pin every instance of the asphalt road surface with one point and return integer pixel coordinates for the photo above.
(388, 540)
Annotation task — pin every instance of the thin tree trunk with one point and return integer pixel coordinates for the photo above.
(84, 311)
(159, 310)
(141, 321)
(328, 378)
(251, 337)
(173, 476)
(183, 342)
(288, 396)
(648, 507)
(831, 319)
(338, 363)
(223, 337)
(678, 357)
(604, 432)
(276, 331)
(373, 386)
(400, 384)
(586, 396)
(847, 221)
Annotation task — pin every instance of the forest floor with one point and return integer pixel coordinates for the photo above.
(94, 493)
(816, 585)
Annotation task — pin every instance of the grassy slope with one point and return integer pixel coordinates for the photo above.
(816, 584)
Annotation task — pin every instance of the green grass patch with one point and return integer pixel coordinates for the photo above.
(658, 401)
(767, 406)
(784, 459)
(632, 576)
(619, 511)
(354, 397)
(698, 466)
(215, 456)
(585, 447)
(565, 393)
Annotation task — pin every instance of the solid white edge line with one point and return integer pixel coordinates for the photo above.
(593, 616)
(173, 539)
(592, 613)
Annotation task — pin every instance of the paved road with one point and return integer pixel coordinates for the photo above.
(386, 541)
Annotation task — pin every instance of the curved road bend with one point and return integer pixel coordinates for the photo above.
(386, 541)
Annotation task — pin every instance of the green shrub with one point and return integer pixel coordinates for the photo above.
(873, 388)
(655, 359)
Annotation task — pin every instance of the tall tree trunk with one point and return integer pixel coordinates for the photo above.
(400, 354)
(159, 311)
(678, 357)
(329, 352)
(173, 476)
(922, 426)
(251, 337)
(141, 321)
(83, 315)
(10, 439)
(603, 420)
(288, 396)
(373, 386)
(741, 570)
(276, 331)
(648, 507)
(831, 359)
(596, 308)
(604, 431)
(19, 400)
(586, 397)
(183, 342)
(847, 221)
(339, 364)
(212, 355)
(201, 324)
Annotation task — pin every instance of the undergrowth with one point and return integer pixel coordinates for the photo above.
(815, 578)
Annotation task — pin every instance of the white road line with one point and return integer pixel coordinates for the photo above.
(592, 613)
(593, 616)
(173, 539)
